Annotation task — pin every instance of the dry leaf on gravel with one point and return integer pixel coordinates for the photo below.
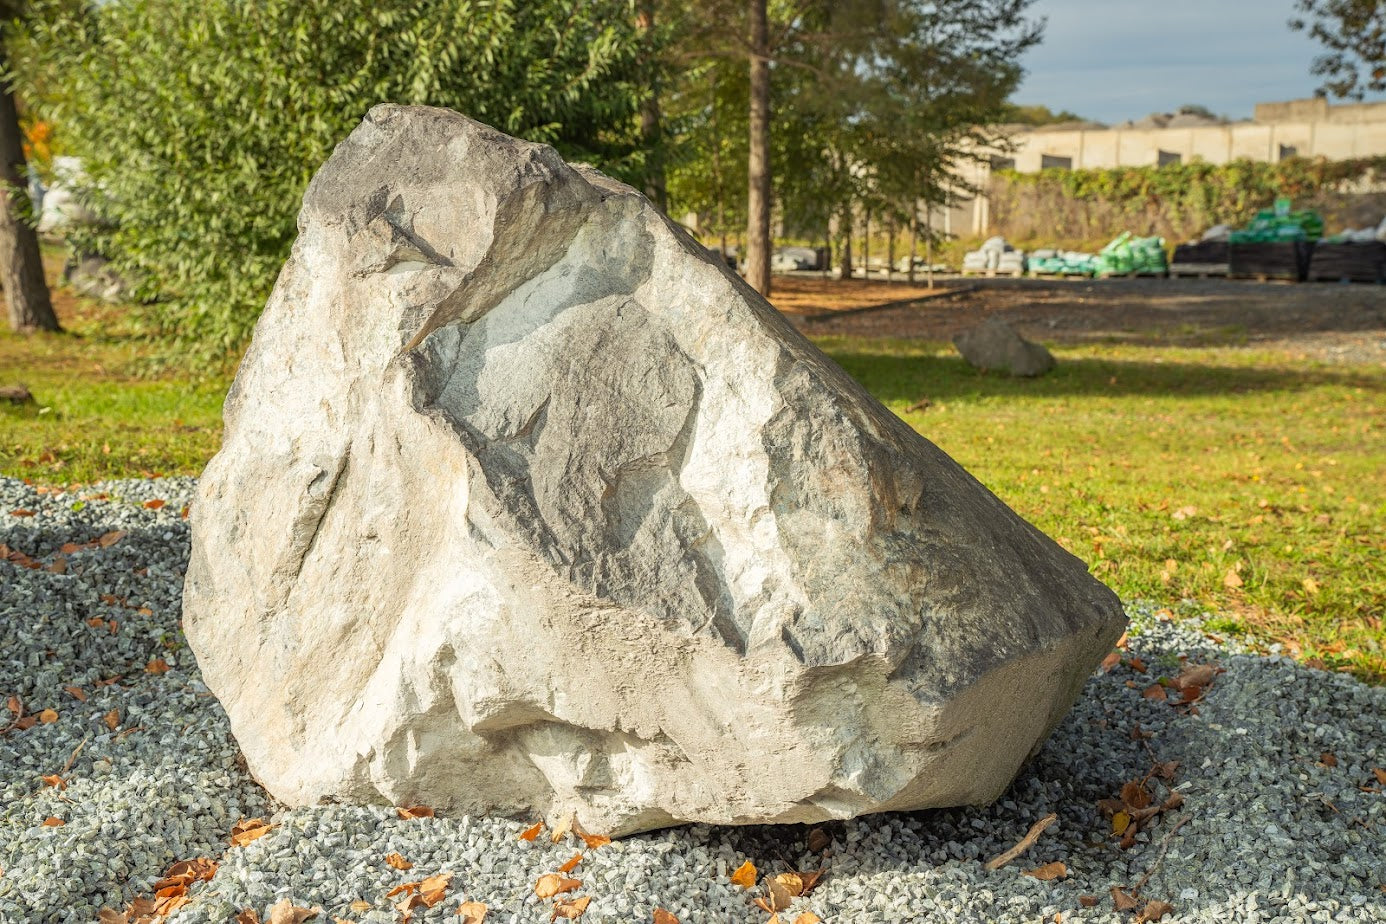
(48, 716)
(360, 905)
(1328, 759)
(745, 875)
(1153, 911)
(112, 719)
(76, 693)
(154, 504)
(398, 861)
(247, 916)
(52, 821)
(285, 912)
(819, 840)
(415, 811)
(808, 917)
(55, 781)
(572, 910)
(1088, 901)
(593, 841)
(472, 912)
(1048, 872)
(156, 666)
(532, 832)
(247, 830)
(664, 917)
(571, 863)
(550, 884)
(1123, 900)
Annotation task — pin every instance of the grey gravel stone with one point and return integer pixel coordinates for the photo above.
(167, 785)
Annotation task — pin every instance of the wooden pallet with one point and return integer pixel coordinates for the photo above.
(1200, 270)
(992, 273)
(1131, 275)
(1035, 274)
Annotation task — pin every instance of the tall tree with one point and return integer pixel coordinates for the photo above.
(21, 264)
(1353, 33)
(758, 243)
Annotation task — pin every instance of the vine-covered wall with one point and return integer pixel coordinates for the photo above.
(1086, 208)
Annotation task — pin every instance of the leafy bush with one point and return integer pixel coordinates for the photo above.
(200, 122)
(1178, 201)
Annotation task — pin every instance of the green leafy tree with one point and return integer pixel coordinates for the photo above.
(21, 264)
(200, 122)
(1353, 33)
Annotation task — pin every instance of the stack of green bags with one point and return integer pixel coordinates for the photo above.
(1269, 227)
(1130, 254)
(1068, 263)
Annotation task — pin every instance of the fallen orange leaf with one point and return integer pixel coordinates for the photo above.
(77, 693)
(571, 863)
(818, 840)
(571, 910)
(550, 884)
(248, 916)
(1327, 759)
(55, 781)
(664, 917)
(1122, 900)
(1049, 871)
(415, 811)
(398, 861)
(530, 833)
(154, 504)
(1153, 911)
(112, 719)
(247, 830)
(1380, 775)
(285, 912)
(472, 912)
(156, 666)
(1087, 901)
(109, 539)
(48, 716)
(53, 821)
(745, 875)
(808, 917)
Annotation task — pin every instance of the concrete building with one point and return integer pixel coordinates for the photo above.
(1303, 128)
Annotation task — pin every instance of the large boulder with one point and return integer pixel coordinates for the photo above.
(528, 505)
(994, 344)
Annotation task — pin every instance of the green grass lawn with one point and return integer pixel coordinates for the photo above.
(1246, 482)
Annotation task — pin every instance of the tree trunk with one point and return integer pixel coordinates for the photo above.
(914, 236)
(651, 126)
(844, 230)
(758, 159)
(890, 249)
(21, 266)
(929, 244)
(866, 248)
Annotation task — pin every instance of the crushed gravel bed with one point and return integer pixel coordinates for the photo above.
(1274, 812)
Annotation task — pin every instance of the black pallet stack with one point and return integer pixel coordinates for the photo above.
(1364, 262)
(1287, 260)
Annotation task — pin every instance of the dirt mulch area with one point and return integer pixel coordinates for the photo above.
(807, 295)
(1325, 321)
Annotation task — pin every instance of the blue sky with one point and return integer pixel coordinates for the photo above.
(1113, 60)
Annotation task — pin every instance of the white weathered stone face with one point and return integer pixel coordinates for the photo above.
(528, 505)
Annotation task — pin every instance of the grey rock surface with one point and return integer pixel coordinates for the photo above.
(994, 344)
(525, 504)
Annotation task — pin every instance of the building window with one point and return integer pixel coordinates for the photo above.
(1287, 151)
(1003, 163)
(1049, 161)
(1168, 157)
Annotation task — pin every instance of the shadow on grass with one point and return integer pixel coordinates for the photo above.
(910, 377)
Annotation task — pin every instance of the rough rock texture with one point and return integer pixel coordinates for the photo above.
(994, 344)
(527, 505)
